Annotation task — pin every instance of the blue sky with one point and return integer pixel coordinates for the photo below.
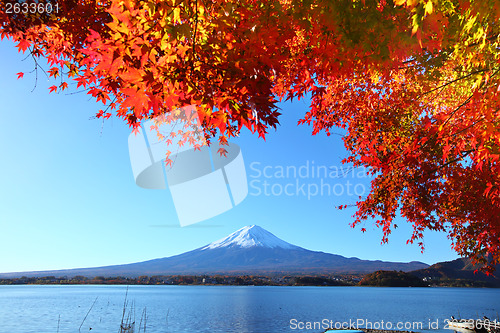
(68, 197)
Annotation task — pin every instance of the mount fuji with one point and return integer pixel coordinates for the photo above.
(249, 250)
(250, 236)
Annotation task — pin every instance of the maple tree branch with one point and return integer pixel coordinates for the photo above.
(409, 61)
(37, 65)
(461, 157)
(194, 35)
(78, 92)
(455, 111)
(489, 39)
(458, 108)
(451, 82)
(466, 128)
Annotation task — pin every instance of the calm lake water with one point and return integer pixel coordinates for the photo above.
(226, 309)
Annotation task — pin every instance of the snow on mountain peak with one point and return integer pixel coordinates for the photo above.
(250, 236)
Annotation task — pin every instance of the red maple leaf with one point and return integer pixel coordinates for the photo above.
(23, 45)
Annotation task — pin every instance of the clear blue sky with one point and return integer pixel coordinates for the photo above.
(68, 198)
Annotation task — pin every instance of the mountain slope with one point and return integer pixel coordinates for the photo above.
(458, 269)
(249, 250)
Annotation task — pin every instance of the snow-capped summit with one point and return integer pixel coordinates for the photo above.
(250, 236)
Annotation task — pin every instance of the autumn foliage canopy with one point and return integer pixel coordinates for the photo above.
(414, 83)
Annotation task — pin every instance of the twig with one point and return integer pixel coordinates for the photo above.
(87, 313)
(144, 315)
(124, 305)
(77, 92)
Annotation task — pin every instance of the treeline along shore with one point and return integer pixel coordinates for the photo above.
(377, 279)
(192, 280)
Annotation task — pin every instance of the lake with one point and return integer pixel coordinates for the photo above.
(242, 309)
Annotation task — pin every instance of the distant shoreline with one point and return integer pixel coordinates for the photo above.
(239, 280)
(209, 280)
